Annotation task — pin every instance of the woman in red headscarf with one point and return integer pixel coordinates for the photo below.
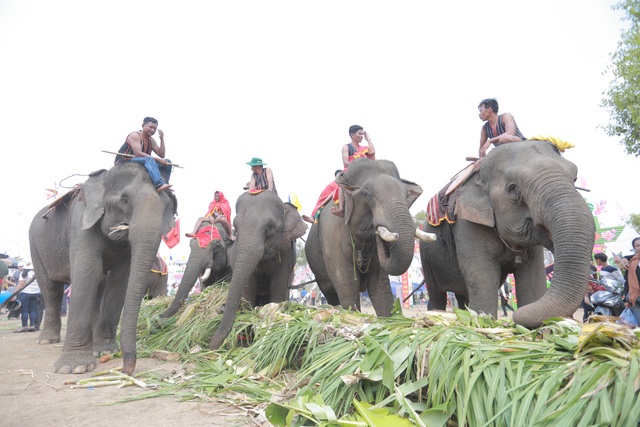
(219, 211)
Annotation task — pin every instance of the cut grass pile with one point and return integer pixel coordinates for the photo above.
(297, 366)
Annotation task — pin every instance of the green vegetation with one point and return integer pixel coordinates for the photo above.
(298, 365)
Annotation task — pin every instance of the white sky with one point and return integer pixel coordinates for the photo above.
(284, 80)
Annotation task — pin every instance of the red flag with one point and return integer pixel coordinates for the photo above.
(172, 238)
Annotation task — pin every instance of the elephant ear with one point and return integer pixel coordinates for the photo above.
(93, 196)
(294, 226)
(473, 204)
(347, 195)
(413, 191)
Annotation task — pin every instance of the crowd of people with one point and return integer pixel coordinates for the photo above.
(140, 147)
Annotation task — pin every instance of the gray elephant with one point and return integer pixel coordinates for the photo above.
(211, 263)
(375, 239)
(520, 199)
(114, 225)
(266, 230)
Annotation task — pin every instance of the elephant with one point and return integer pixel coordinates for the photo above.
(264, 255)
(112, 223)
(519, 199)
(375, 239)
(211, 264)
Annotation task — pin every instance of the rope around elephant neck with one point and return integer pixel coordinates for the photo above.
(353, 255)
(507, 245)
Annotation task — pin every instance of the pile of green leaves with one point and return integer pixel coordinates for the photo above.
(324, 366)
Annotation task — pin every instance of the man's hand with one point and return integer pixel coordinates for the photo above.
(160, 134)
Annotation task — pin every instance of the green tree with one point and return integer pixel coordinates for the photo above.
(634, 221)
(420, 217)
(623, 95)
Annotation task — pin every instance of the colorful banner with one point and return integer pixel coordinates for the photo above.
(406, 290)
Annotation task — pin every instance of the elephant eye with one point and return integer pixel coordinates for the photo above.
(512, 190)
(271, 229)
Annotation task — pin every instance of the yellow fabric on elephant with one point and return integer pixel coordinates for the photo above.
(559, 143)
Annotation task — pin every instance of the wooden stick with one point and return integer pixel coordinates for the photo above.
(175, 165)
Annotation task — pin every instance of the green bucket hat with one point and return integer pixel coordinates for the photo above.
(256, 162)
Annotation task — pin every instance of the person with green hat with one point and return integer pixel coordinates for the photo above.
(261, 177)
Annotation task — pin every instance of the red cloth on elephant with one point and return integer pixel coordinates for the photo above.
(441, 207)
(207, 234)
(172, 238)
(160, 267)
(359, 151)
(221, 207)
(330, 192)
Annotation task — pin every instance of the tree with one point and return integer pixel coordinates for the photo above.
(634, 221)
(623, 95)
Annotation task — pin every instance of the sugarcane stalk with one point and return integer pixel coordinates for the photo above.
(99, 384)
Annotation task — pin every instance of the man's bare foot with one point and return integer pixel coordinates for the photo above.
(163, 187)
(308, 219)
(337, 212)
(190, 235)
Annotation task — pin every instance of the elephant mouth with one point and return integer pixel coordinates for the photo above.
(119, 232)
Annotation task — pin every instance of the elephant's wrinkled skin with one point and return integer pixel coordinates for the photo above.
(521, 199)
(348, 256)
(211, 264)
(114, 225)
(264, 254)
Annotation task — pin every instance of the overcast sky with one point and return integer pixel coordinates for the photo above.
(284, 80)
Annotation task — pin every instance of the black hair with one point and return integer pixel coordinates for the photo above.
(633, 243)
(601, 257)
(149, 119)
(490, 103)
(354, 128)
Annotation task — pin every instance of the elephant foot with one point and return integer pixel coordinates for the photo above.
(75, 362)
(47, 337)
(105, 347)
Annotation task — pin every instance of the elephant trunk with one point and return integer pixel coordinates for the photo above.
(570, 223)
(191, 273)
(145, 241)
(248, 256)
(395, 257)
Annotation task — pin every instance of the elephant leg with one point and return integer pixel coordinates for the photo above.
(105, 330)
(380, 292)
(437, 298)
(463, 301)
(530, 277)
(86, 274)
(52, 294)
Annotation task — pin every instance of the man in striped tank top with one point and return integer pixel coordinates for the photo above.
(138, 148)
(498, 129)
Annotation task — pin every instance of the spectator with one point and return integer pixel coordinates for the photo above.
(505, 293)
(632, 299)
(66, 293)
(608, 272)
(29, 301)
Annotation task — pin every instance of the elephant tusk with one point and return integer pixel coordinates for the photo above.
(386, 235)
(206, 274)
(118, 228)
(424, 236)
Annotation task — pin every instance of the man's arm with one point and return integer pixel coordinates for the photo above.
(159, 149)
(345, 155)
(135, 141)
(270, 179)
(372, 150)
(509, 134)
(484, 143)
(252, 184)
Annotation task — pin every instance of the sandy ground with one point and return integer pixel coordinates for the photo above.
(30, 394)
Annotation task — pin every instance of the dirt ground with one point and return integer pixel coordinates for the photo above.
(30, 394)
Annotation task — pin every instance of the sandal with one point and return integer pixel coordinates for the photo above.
(25, 329)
